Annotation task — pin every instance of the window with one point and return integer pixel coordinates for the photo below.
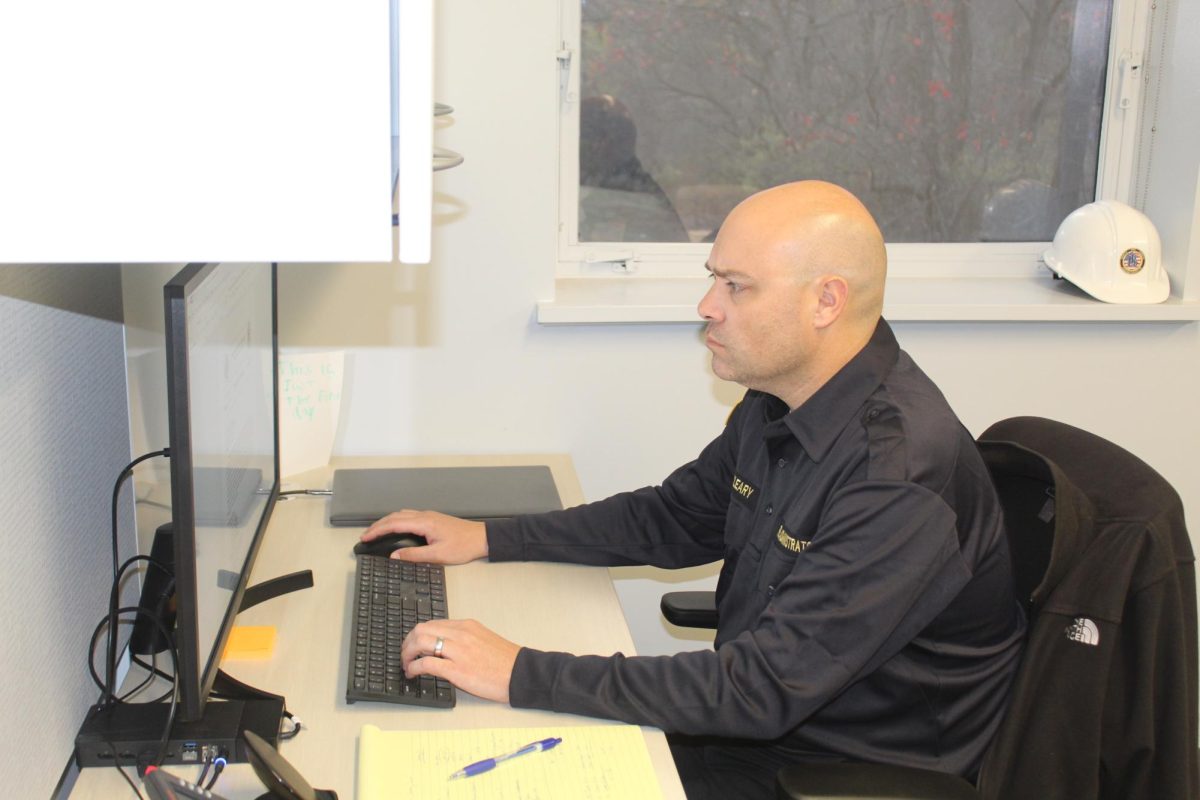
(957, 122)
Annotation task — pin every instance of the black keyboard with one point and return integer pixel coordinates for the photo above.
(390, 598)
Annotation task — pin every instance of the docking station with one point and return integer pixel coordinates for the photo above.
(129, 734)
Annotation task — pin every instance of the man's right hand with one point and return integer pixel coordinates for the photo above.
(448, 540)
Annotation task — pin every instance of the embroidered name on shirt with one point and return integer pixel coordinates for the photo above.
(1084, 631)
(790, 542)
(744, 493)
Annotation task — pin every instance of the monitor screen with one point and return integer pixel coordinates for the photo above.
(224, 439)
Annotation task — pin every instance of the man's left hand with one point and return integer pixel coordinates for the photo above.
(473, 658)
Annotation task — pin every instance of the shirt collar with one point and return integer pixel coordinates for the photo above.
(821, 419)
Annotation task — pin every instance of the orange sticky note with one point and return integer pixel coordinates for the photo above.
(250, 642)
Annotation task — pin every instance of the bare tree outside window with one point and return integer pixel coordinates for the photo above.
(953, 120)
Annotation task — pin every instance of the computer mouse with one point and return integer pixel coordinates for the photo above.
(384, 545)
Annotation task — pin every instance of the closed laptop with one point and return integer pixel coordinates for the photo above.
(361, 496)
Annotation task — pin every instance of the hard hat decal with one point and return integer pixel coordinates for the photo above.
(1132, 260)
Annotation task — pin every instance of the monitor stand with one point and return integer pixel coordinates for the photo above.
(130, 734)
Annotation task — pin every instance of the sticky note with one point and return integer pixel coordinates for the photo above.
(250, 642)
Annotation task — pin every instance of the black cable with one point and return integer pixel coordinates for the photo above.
(153, 668)
(296, 726)
(152, 671)
(110, 666)
(309, 492)
(166, 736)
(204, 772)
(218, 768)
(100, 683)
(145, 682)
(138, 610)
(121, 770)
(96, 679)
(110, 677)
(174, 691)
(125, 473)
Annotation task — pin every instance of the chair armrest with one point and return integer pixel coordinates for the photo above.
(869, 782)
(690, 609)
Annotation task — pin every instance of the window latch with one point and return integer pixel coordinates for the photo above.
(622, 262)
(1129, 70)
(565, 57)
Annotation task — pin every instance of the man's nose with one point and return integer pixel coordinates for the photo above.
(708, 307)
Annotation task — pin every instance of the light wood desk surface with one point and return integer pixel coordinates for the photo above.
(546, 606)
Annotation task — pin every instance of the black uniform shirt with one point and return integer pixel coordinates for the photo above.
(866, 604)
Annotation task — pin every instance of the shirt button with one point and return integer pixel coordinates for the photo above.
(770, 510)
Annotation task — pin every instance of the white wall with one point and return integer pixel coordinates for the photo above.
(447, 358)
(64, 438)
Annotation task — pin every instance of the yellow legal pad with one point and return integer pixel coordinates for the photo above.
(593, 762)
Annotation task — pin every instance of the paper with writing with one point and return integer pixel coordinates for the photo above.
(310, 397)
(593, 762)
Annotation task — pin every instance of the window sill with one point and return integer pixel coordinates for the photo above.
(586, 301)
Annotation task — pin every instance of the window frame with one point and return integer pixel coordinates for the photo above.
(634, 261)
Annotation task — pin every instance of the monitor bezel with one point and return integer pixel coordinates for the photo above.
(196, 671)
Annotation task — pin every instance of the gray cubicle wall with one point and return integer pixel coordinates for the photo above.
(64, 438)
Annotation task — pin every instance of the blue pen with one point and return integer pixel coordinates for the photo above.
(490, 763)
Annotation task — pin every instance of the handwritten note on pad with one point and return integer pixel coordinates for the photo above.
(593, 762)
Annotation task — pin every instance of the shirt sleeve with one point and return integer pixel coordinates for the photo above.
(678, 524)
(884, 563)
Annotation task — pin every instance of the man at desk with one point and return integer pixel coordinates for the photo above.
(866, 603)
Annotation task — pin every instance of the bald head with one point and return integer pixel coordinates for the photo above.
(798, 288)
(819, 229)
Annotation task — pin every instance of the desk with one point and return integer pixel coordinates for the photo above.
(535, 604)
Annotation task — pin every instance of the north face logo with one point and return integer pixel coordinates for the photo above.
(1084, 631)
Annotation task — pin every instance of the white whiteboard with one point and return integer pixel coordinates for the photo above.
(178, 130)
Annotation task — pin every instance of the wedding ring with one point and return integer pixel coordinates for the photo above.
(438, 645)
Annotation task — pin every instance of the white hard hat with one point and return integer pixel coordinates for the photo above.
(1112, 252)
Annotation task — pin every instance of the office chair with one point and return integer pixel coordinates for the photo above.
(1105, 700)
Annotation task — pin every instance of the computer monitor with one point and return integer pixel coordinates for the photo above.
(222, 387)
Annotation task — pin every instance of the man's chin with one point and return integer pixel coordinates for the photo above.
(722, 370)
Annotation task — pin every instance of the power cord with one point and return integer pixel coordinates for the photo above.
(174, 694)
(123, 774)
(296, 726)
(125, 473)
(153, 671)
(218, 767)
(309, 492)
(135, 691)
(204, 772)
(111, 662)
(112, 619)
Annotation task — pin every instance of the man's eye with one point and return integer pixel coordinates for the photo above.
(733, 286)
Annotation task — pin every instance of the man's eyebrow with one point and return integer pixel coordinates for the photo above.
(720, 273)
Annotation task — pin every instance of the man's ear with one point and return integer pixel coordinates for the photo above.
(833, 292)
